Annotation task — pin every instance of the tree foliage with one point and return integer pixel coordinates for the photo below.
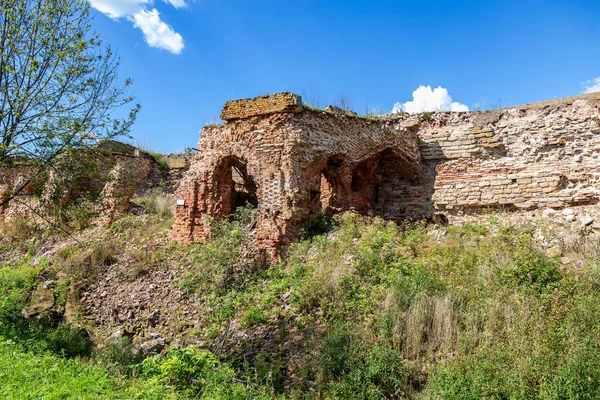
(59, 85)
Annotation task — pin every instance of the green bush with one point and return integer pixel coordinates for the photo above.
(253, 316)
(320, 224)
(358, 369)
(335, 355)
(194, 372)
(16, 285)
(504, 372)
(69, 341)
(531, 269)
(221, 262)
(578, 376)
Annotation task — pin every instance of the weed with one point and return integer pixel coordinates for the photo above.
(252, 317)
(157, 202)
(194, 372)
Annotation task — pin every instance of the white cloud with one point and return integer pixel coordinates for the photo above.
(156, 32)
(592, 86)
(119, 8)
(427, 99)
(176, 3)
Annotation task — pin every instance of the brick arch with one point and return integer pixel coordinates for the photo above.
(233, 186)
(327, 184)
(379, 182)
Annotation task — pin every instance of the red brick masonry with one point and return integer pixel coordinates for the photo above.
(293, 162)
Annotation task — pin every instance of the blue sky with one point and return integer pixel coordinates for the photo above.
(188, 57)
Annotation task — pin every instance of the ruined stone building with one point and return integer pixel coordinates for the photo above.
(292, 162)
(113, 171)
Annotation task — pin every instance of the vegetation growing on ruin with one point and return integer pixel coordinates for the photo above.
(361, 310)
(59, 86)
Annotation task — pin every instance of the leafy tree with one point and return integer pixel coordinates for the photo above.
(59, 85)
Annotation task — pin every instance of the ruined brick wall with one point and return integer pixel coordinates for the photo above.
(532, 156)
(263, 105)
(125, 175)
(11, 180)
(294, 164)
(291, 165)
(114, 170)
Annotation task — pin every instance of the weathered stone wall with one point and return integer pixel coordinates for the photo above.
(293, 164)
(532, 156)
(263, 105)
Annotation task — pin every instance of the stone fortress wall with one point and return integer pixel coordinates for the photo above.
(292, 162)
(533, 156)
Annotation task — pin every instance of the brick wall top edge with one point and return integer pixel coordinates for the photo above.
(284, 102)
(316, 116)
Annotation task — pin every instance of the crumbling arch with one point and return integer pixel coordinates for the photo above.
(234, 186)
(379, 184)
(327, 186)
(332, 185)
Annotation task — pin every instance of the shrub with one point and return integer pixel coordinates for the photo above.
(335, 353)
(507, 372)
(357, 369)
(320, 224)
(531, 269)
(578, 376)
(228, 256)
(69, 341)
(252, 317)
(16, 284)
(194, 372)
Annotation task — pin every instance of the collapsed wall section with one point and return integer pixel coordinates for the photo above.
(264, 105)
(110, 172)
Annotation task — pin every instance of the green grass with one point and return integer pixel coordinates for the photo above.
(480, 313)
(360, 309)
(43, 375)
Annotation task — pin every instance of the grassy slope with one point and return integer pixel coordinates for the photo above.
(27, 375)
(367, 311)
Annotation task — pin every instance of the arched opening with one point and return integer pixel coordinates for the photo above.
(234, 186)
(331, 191)
(326, 193)
(380, 185)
